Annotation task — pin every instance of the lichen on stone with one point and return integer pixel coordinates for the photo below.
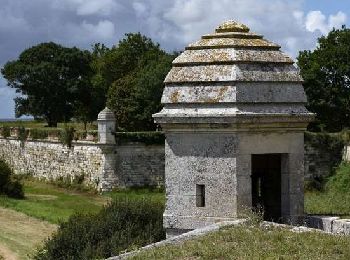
(232, 26)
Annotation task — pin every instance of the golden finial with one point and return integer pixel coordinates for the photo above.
(232, 26)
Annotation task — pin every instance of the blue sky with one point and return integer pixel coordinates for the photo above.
(294, 24)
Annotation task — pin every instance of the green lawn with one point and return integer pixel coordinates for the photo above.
(254, 242)
(48, 202)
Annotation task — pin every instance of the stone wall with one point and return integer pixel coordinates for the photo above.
(124, 165)
(103, 166)
(139, 159)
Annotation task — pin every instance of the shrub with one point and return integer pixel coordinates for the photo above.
(142, 137)
(67, 136)
(76, 182)
(8, 184)
(5, 131)
(122, 225)
(37, 133)
(22, 135)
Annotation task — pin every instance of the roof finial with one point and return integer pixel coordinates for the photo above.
(232, 26)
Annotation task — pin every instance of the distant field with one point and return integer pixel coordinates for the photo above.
(35, 124)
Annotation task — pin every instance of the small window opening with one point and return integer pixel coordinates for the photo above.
(200, 195)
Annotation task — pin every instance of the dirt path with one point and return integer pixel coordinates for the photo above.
(21, 234)
(7, 254)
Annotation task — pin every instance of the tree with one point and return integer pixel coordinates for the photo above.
(92, 99)
(136, 74)
(326, 73)
(51, 79)
(125, 57)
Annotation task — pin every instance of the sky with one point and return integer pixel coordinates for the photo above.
(294, 24)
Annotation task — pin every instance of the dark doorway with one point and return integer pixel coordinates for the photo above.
(266, 185)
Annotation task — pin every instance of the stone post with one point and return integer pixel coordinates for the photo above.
(106, 126)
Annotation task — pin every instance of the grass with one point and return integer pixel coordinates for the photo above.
(327, 203)
(335, 199)
(255, 242)
(47, 202)
(46, 205)
(21, 234)
(53, 204)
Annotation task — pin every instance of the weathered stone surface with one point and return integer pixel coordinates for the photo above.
(104, 166)
(106, 126)
(229, 96)
(237, 72)
(218, 43)
(230, 56)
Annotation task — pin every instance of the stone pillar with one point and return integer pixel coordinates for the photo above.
(106, 126)
(109, 178)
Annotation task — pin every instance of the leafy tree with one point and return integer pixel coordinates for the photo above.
(51, 80)
(125, 57)
(326, 72)
(137, 75)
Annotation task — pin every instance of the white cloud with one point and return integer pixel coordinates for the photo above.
(316, 20)
(103, 7)
(337, 20)
(140, 9)
(184, 21)
(86, 32)
(103, 30)
(88, 7)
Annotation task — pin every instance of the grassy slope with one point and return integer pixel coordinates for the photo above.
(21, 234)
(52, 204)
(256, 243)
(335, 200)
(326, 203)
(47, 202)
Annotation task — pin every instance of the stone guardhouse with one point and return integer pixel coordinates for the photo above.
(234, 118)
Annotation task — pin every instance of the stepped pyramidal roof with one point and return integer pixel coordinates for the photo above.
(232, 72)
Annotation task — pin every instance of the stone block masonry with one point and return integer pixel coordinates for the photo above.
(104, 166)
(107, 166)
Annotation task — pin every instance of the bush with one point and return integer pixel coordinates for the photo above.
(122, 225)
(37, 133)
(22, 135)
(67, 136)
(5, 131)
(142, 137)
(8, 184)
